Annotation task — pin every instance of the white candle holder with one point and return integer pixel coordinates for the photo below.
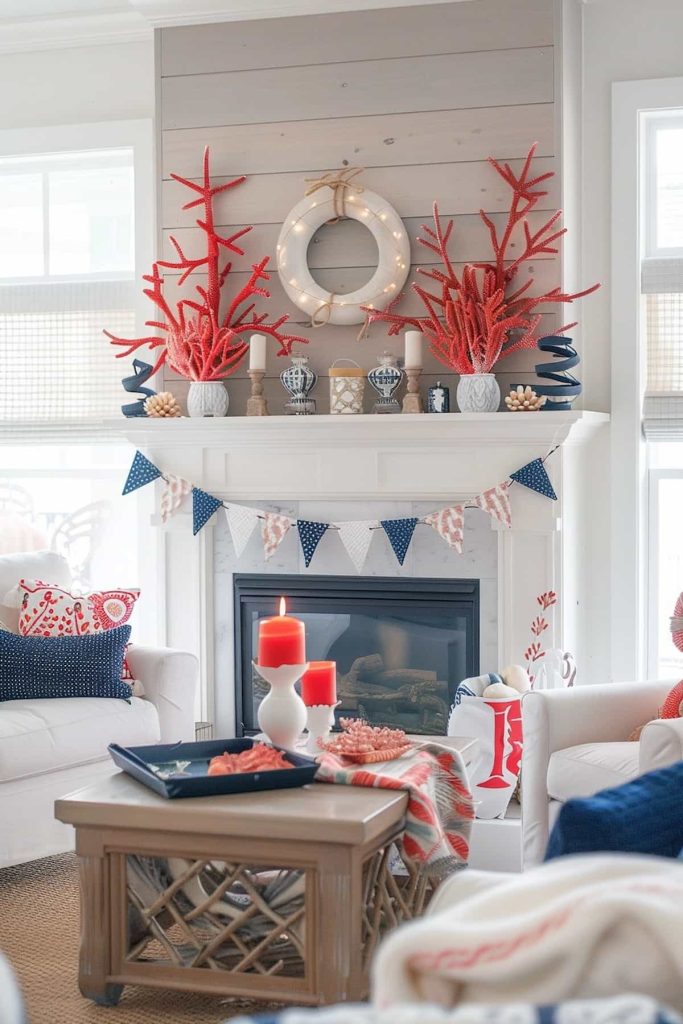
(319, 721)
(282, 713)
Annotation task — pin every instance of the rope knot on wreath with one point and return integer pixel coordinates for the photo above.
(338, 181)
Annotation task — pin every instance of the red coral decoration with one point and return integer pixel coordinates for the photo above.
(476, 319)
(201, 345)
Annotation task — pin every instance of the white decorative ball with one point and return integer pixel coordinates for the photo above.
(500, 691)
(517, 677)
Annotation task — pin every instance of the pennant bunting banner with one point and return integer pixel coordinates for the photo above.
(356, 537)
(310, 535)
(141, 472)
(400, 533)
(496, 502)
(241, 521)
(449, 523)
(274, 527)
(175, 491)
(535, 477)
(203, 507)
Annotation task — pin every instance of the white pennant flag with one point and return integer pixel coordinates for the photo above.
(449, 523)
(174, 492)
(356, 537)
(496, 502)
(241, 521)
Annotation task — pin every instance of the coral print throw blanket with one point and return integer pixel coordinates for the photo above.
(586, 926)
(440, 808)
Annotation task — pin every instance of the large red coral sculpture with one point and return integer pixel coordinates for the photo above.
(477, 318)
(196, 341)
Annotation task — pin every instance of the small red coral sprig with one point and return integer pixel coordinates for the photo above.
(533, 653)
(538, 626)
(477, 318)
(547, 600)
(195, 340)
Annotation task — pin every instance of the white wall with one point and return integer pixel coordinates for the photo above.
(84, 84)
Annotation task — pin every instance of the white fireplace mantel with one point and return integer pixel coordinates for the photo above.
(347, 457)
(339, 463)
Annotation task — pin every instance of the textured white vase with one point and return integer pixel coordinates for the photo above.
(207, 398)
(478, 392)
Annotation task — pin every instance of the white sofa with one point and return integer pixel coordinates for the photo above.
(576, 743)
(51, 747)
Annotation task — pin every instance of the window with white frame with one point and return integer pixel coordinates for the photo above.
(76, 230)
(67, 269)
(662, 329)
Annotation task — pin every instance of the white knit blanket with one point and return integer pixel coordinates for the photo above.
(578, 927)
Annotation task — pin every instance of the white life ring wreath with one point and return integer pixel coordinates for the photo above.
(292, 248)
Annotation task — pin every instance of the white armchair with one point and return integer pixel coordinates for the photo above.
(576, 742)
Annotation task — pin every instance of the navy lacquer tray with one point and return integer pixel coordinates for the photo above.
(179, 769)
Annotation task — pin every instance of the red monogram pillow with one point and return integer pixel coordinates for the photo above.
(46, 610)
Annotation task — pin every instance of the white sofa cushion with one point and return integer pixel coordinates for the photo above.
(589, 767)
(39, 736)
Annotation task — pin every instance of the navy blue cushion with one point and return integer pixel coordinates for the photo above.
(33, 667)
(642, 816)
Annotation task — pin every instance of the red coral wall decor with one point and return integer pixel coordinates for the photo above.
(478, 317)
(195, 339)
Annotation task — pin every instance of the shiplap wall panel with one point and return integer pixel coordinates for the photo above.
(360, 35)
(490, 78)
(267, 198)
(418, 96)
(436, 136)
(350, 243)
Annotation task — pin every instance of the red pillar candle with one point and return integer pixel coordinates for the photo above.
(281, 640)
(319, 683)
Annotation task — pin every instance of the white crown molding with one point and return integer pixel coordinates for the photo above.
(18, 35)
(169, 13)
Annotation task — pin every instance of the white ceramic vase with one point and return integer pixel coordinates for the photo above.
(282, 713)
(207, 398)
(478, 392)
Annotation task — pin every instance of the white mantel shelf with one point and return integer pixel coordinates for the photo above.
(380, 432)
(331, 458)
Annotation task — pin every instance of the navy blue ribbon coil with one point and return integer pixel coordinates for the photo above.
(561, 394)
(133, 384)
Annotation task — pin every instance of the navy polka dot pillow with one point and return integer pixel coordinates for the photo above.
(33, 667)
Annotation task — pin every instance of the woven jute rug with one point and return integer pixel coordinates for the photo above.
(39, 928)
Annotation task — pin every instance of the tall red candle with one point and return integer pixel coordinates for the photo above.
(319, 683)
(281, 640)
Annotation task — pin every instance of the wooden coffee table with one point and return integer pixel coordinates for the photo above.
(281, 895)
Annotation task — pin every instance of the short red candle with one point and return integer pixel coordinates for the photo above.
(319, 683)
(281, 640)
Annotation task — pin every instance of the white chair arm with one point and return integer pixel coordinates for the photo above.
(555, 719)
(661, 744)
(169, 679)
(461, 885)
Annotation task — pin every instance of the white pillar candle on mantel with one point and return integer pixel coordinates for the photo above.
(413, 342)
(257, 352)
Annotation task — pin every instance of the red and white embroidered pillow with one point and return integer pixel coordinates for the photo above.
(46, 610)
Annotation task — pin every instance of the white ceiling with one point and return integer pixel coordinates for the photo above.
(47, 24)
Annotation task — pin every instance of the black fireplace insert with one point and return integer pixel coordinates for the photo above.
(401, 645)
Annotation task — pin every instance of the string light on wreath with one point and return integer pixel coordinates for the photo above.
(345, 199)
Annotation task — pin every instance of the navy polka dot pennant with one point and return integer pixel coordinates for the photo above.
(535, 477)
(309, 535)
(400, 533)
(141, 472)
(203, 507)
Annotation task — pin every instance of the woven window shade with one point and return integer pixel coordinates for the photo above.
(662, 288)
(56, 363)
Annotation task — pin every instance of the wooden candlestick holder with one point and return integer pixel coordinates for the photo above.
(412, 401)
(257, 405)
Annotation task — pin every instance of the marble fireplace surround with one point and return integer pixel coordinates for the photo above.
(358, 467)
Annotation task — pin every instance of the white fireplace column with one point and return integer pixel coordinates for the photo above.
(441, 459)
